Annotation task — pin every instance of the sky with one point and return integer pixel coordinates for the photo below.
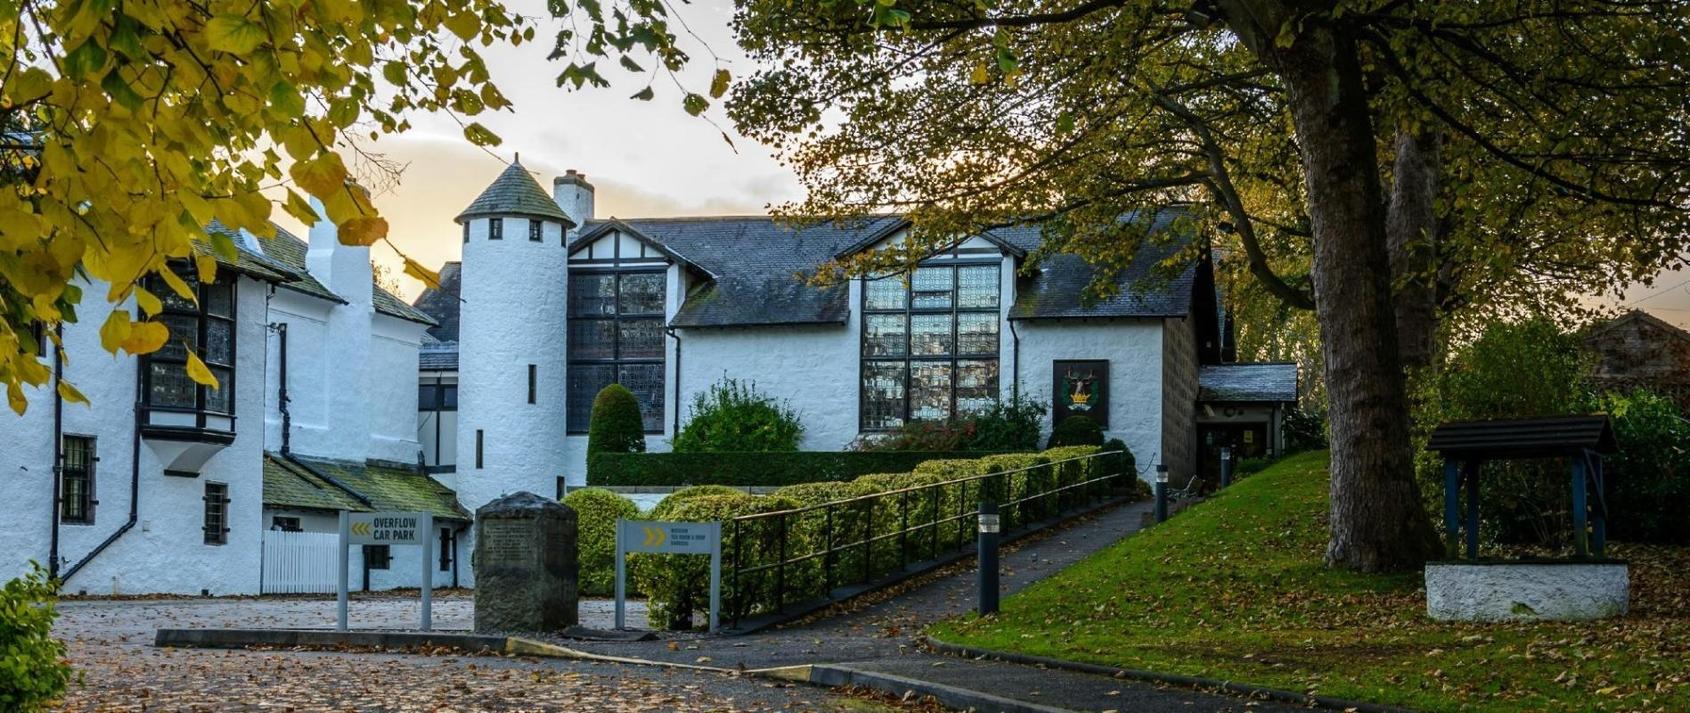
(645, 159)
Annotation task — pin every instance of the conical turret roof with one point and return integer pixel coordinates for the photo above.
(515, 192)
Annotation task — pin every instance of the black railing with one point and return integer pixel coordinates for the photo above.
(807, 554)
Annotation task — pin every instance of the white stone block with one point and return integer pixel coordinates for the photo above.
(1506, 591)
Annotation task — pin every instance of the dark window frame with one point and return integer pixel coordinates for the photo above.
(378, 557)
(203, 318)
(77, 508)
(495, 228)
(466, 232)
(216, 525)
(286, 523)
(616, 361)
(533, 383)
(478, 450)
(448, 543)
(536, 230)
(908, 359)
(433, 397)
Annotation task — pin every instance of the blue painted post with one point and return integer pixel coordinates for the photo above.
(1473, 509)
(1599, 541)
(1581, 534)
(1452, 509)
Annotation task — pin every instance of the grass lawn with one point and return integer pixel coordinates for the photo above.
(1234, 589)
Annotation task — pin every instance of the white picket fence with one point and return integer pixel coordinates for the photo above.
(300, 562)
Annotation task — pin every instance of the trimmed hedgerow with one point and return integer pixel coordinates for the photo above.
(678, 586)
(775, 469)
(1030, 475)
(1072, 472)
(846, 527)
(1129, 483)
(596, 513)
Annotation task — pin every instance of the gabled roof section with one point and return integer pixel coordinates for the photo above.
(515, 192)
(290, 250)
(1638, 315)
(1146, 287)
(323, 484)
(1260, 382)
(872, 239)
(246, 262)
(442, 303)
(599, 228)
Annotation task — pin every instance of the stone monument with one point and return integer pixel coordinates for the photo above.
(525, 565)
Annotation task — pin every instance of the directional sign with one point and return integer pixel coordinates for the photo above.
(680, 538)
(385, 528)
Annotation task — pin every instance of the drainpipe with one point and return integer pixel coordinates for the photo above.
(675, 429)
(281, 329)
(1015, 350)
(134, 486)
(58, 451)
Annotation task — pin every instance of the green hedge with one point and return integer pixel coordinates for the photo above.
(775, 469)
(596, 513)
(679, 585)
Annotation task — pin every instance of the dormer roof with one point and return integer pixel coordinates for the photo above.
(515, 192)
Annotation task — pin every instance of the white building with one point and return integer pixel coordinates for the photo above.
(165, 486)
(551, 303)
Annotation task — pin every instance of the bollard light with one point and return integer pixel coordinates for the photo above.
(1226, 466)
(987, 558)
(1161, 492)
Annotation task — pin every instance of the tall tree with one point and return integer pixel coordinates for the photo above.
(1383, 163)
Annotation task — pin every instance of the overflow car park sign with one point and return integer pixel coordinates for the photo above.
(385, 528)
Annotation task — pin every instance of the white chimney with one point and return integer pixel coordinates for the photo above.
(344, 269)
(574, 195)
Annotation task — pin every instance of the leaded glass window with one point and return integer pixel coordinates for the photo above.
(616, 337)
(205, 325)
(930, 346)
(76, 481)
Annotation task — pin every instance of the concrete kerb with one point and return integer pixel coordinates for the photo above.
(839, 676)
(1194, 682)
(329, 640)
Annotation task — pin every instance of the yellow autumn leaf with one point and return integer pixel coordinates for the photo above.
(363, 230)
(206, 265)
(115, 330)
(146, 337)
(320, 176)
(15, 399)
(71, 394)
(178, 285)
(198, 371)
(427, 276)
(148, 301)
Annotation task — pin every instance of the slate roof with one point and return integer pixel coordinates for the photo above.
(290, 250)
(246, 261)
(436, 355)
(442, 303)
(757, 265)
(1247, 382)
(515, 192)
(384, 486)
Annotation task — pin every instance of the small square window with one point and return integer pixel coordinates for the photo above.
(496, 229)
(377, 557)
(285, 524)
(466, 232)
(216, 513)
(478, 451)
(534, 228)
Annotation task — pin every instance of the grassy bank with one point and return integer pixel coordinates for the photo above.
(1235, 589)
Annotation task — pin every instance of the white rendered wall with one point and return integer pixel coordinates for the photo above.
(515, 300)
(1134, 351)
(391, 387)
(165, 551)
(307, 319)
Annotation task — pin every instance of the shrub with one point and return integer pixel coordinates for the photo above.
(34, 671)
(776, 469)
(925, 509)
(1648, 481)
(929, 436)
(849, 527)
(1070, 471)
(732, 417)
(1076, 430)
(1030, 476)
(695, 491)
(1006, 426)
(679, 585)
(1128, 483)
(596, 513)
(1304, 429)
(616, 426)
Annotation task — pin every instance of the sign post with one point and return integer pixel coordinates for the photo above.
(673, 538)
(388, 528)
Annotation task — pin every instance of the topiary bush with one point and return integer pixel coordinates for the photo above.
(33, 668)
(1030, 477)
(1076, 430)
(694, 491)
(596, 513)
(731, 417)
(774, 469)
(1071, 471)
(1125, 464)
(616, 425)
(678, 586)
(848, 528)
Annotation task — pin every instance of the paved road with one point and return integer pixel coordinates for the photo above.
(110, 644)
(883, 637)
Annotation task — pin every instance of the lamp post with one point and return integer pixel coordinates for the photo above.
(987, 558)
(1161, 492)
(1226, 466)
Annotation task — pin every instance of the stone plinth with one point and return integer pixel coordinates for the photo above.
(1504, 591)
(525, 565)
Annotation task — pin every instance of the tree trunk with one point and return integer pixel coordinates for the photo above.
(1411, 227)
(1377, 520)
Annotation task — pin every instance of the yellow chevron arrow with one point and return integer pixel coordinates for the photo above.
(655, 537)
(361, 529)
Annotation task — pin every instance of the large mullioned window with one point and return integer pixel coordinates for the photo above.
(208, 328)
(930, 349)
(616, 337)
